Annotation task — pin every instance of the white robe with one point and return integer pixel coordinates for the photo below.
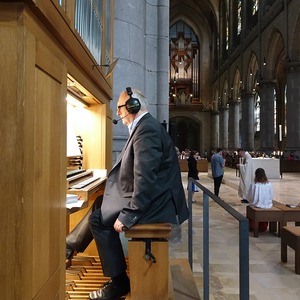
(261, 194)
(246, 176)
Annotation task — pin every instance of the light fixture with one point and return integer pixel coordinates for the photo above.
(265, 63)
(280, 132)
(251, 72)
(75, 102)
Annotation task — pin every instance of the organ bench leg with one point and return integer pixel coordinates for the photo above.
(148, 255)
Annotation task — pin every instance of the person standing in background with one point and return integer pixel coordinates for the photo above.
(193, 172)
(217, 168)
(246, 174)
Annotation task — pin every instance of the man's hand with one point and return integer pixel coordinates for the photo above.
(118, 226)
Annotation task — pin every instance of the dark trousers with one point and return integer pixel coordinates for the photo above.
(81, 236)
(109, 246)
(217, 184)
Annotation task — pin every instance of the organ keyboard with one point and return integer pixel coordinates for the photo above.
(86, 183)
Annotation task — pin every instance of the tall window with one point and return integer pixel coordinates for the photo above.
(285, 112)
(227, 31)
(275, 112)
(257, 113)
(255, 7)
(239, 17)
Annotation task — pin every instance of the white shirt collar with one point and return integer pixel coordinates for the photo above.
(132, 125)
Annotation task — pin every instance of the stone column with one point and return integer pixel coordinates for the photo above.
(141, 37)
(162, 76)
(215, 129)
(224, 127)
(220, 126)
(233, 123)
(293, 108)
(266, 92)
(247, 122)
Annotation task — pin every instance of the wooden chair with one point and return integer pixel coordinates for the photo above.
(148, 256)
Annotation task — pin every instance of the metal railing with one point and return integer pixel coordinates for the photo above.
(243, 239)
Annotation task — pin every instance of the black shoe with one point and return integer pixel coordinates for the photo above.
(110, 291)
(244, 201)
(69, 252)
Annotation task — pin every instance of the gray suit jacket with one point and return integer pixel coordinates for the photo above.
(144, 185)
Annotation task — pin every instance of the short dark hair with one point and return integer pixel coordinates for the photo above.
(240, 149)
(219, 149)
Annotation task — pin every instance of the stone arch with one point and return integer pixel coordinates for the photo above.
(276, 63)
(186, 132)
(236, 84)
(275, 54)
(224, 95)
(203, 31)
(215, 99)
(294, 50)
(252, 73)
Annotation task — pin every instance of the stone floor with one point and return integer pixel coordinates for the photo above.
(269, 277)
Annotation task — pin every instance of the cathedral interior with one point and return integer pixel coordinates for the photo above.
(233, 79)
(216, 73)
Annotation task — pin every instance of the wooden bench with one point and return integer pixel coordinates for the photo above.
(290, 236)
(270, 215)
(290, 214)
(148, 255)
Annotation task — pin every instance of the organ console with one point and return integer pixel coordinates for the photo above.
(87, 185)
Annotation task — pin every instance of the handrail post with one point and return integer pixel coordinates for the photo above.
(205, 246)
(190, 224)
(244, 259)
(243, 240)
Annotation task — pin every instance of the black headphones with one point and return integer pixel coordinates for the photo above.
(133, 105)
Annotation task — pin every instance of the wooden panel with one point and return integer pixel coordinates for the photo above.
(49, 202)
(33, 144)
(11, 181)
(202, 165)
(148, 280)
(154, 230)
(51, 66)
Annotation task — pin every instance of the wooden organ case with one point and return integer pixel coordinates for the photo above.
(42, 58)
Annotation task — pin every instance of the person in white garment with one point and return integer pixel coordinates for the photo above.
(246, 174)
(260, 193)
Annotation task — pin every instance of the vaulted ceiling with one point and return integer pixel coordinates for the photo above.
(196, 11)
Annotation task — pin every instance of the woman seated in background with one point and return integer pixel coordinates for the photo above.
(260, 194)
